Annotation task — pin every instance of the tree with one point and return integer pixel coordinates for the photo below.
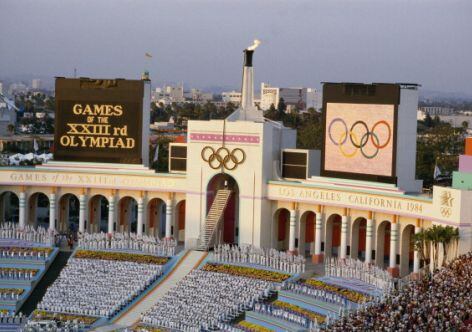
(429, 241)
(11, 128)
(439, 145)
(310, 131)
(428, 121)
(271, 113)
(281, 107)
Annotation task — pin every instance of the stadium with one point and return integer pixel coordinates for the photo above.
(244, 233)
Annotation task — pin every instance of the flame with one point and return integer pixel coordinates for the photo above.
(256, 43)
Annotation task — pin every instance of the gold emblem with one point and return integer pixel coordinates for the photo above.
(446, 204)
(223, 157)
(446, 198)
(446, 212)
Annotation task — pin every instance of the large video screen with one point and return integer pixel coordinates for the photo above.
(359, 138)
(98, 123)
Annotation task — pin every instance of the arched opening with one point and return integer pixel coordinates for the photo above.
(407, 250)
(38, 210)
(333, 235)
(228, 230)
(156, 218)
(9, 207)
(98, 215)
(180, 221)
(307, 233)
(382, 252)
(281, 229)
(68, 214)
(127, 215)
(358, 238)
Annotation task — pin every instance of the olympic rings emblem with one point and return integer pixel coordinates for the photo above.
(223, 157)
(446, 212)
(365, 138)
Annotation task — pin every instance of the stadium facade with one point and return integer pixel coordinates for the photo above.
(242, 180)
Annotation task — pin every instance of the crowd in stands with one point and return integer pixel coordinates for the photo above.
(10, 230)
(355, 269)
(438, 302)
(98, 287)
(204, 299)
(128, 241)
(271, 258)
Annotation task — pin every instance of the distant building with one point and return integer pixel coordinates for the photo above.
(16, 88)
(7, 115)
(233, 97)
(169, 94)
(196, 95)
(163, 125)
(269, 96)
(420, 115)
(295, 98)
(457, 121)
(36, 84)
(313, 99)
(1, 87)
(437, 110)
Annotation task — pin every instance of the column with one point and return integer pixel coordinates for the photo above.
(169, 209)
(392, 266)
(22, 209)
(343, 248)
(111, 214)
(318, 257)
(52, 212)
(293, 229)
(82, 208)
(369, 237)
(140, 216)
(416, 254)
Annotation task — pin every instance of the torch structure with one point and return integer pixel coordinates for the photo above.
(247, 110)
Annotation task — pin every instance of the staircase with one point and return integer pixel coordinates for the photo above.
(215, 215)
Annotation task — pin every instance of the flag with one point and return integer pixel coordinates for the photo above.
(35, 145)
(148, 55)
(156, 153)
(437, 172)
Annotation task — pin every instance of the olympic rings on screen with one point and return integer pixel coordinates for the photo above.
(389, 134)
(345, 129)
(343, 137)
(354, 139)
(223, 157)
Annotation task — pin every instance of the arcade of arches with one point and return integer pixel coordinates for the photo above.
(384, 242)
(162, 216)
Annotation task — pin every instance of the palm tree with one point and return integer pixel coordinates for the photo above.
(449, 238)
(434, 236)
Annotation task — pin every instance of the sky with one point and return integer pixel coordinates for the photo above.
(200, 42)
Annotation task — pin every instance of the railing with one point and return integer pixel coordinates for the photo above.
(220, 194)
